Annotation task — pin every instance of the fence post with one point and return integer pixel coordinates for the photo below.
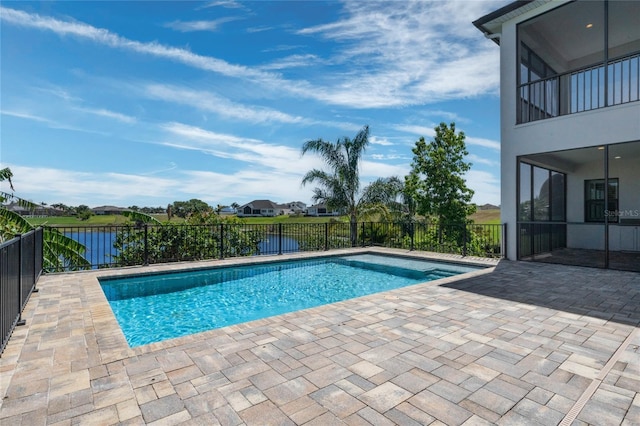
(464, 244)
(363, 234)
(20, 320)
(146, 245)
(503, 245)
(221, 241)
(280, 238)
(326, 236)
(412, 230)
(35, 260)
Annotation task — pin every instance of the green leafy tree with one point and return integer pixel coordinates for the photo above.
(83, 212)
(436, 183)
(436, 180)
(59, 252)
(140, 217)
(185, 208)
(339, 186)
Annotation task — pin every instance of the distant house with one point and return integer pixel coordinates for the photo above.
(321, 210)
(38, 211)
(18, 209)
(107, 210)
(488, 207)
(294, 207)
(258, 208)
(227, 211)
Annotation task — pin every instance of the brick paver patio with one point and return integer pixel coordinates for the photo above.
(520, 343)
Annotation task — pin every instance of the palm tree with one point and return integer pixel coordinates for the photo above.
(339, 186)
(389, 198)
(58, 251)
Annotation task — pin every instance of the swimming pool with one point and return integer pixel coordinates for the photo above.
(152, 308)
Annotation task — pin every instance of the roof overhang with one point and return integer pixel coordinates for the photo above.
(491, 24)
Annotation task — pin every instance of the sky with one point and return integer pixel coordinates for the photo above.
(146, 103)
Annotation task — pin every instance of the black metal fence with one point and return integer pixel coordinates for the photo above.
(127, 245)
(20, 268)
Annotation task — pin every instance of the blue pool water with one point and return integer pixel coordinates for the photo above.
(152, 308)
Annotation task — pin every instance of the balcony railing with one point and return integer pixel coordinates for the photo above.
(586, 89)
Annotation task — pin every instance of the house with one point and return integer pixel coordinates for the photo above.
(227, 211)
(36, 211)
(108, 210)
(321, 210)
(293, 208)
(488, 206)
(570, 129)
(258, 208)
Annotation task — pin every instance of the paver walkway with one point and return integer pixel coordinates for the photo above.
(522, 343)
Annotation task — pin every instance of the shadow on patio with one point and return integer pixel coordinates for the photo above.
(599, 293)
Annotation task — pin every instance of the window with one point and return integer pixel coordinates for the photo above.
(538, 92)
(594, 200)
(541, 210)
(542, 194)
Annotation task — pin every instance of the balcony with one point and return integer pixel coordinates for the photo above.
(585, 89)
(577, 57)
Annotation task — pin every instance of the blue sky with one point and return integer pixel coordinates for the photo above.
(145, 103)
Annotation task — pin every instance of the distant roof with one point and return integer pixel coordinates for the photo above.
(262, 204)
(112, 208)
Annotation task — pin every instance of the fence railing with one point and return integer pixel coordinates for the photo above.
(585, 89)
(20, 268)
(129, 245)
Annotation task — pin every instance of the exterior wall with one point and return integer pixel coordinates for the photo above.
(592, 128)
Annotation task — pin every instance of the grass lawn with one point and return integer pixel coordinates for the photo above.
(95, 220)
(481, 217)
(486, 217)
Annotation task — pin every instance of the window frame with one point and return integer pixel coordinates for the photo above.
(589, 202)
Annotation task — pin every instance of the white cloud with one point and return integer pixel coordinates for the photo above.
(107, 38)
(429, 132)
(209, 101)
(109, 114)
(412, 52)
(73, 187)
(212, 102)
(228, 4)
(415, 129)
(26, 116)
(476, 159)
(485, 143)
(270, 157)
(374, 140)
(189, 26)
(293, 61)
(485, 185)
(53, 124)
(399, 54)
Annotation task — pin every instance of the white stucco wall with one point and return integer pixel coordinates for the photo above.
(615, 124)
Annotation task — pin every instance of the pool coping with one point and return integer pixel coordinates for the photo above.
(123, 350)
